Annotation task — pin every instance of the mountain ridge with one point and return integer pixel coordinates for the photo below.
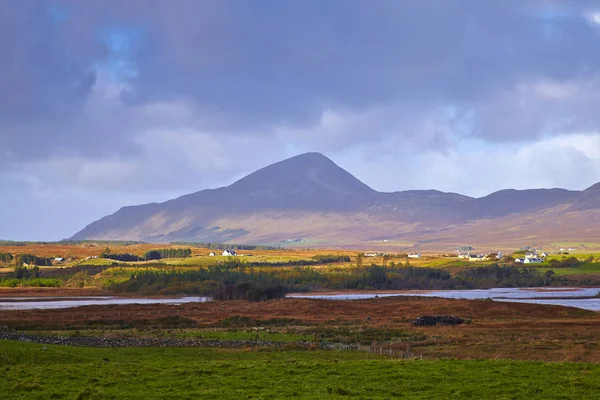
(276, 201)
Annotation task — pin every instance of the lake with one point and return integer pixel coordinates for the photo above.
(571, 297)
(30, 303)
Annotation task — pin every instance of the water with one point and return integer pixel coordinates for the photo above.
(30, 303)
(555, 296)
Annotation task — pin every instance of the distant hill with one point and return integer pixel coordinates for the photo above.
(310, 197)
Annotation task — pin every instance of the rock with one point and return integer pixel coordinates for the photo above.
(432, 320)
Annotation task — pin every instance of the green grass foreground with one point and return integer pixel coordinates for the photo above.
(29, 372)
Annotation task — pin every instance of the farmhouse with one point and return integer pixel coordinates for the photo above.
(532, 260)
(59, 259)
(414, 255)
(229, 253)
(211, 254)
(476, 257)
(493, 256)
(375, 254)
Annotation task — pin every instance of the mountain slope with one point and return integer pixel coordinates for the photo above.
(309, 196)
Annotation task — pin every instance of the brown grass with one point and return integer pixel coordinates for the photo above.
(85, 250)
(498, 330)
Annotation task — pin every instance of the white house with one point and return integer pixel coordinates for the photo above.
(414, 255)
(229, 253)
(211, 254)
(59, 259)
(533, 260)
(464, 254)
(476, 257)
(520, 260)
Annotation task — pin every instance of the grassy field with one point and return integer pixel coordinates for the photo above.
(206, 334)
(32, 371)
(584, 269)
(204, 260)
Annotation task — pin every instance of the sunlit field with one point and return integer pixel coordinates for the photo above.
(33, 371)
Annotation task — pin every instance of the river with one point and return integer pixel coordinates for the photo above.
(572, 297)
(30, 303)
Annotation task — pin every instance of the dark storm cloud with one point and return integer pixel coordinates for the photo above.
(42, 74)
(255, 63)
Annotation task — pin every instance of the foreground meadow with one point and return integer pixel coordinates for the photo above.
(34, 371)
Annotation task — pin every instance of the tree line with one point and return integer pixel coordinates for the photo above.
(167, 253)
(148, 256)
(29, 277)
(234, 280)
(20, 259)
(6, 258)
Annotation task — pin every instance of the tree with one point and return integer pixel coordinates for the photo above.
(359, 259)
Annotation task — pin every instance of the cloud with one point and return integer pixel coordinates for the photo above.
(144, 98)
(565, 161)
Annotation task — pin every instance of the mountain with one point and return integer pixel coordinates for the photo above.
(309, 197)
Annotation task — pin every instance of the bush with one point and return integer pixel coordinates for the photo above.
(6, 258)
(250, 291)
(329, 258)
(80, 279)
(570, 262)
(21, 272)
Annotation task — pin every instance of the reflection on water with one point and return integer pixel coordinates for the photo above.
(26, 303)
(555, 296)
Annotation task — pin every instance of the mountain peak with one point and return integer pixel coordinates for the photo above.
(309, 172)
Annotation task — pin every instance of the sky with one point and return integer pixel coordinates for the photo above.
(111, 103)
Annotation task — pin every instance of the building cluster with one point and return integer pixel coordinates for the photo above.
(533, 257)
(226, 253)
(471, 256)
(375, 254)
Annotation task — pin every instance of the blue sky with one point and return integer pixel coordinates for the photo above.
(111, 103)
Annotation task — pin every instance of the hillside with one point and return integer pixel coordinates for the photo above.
(310, 197)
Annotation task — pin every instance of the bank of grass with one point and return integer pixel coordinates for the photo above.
(205, 334)
(206, 260)
(35, 371)
(583, 269)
